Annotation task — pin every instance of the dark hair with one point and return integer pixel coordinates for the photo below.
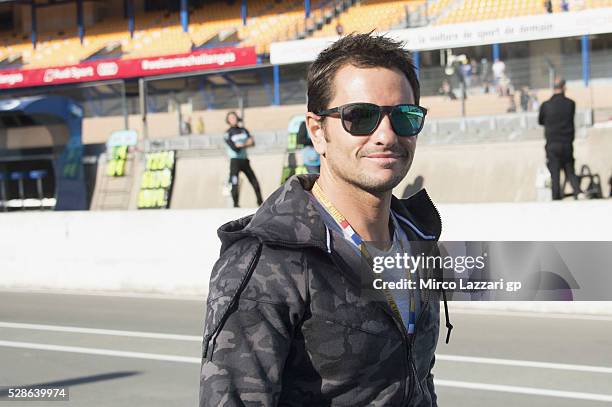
(361, 51)
(238, 119)
(559, 83)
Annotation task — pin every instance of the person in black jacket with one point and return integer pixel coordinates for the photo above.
(557, 117)
(237, 140)
(292, 317)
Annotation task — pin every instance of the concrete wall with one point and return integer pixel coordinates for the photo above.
(165, 125)
(499, 172)
(33, 136)
(199, 182)
(173, 251)
(486, 172)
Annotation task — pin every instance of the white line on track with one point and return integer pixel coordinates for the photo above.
(146, 296)
(102, 352)
(525, 363)
(113, 332)
(197, 338)
(201, 297)
(534, 314)
(524, 390)
(194, 360)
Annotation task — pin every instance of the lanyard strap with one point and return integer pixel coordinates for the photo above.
(354, 237)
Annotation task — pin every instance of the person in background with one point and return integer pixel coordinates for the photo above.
(474, 72)
(199, 125)
(447, 90)
(534, 103)
(339, 29)
(466, 73)
(186, 126)
(511, 104)
(564, 5)
(237, 140)
(557, 117)
(548, 6)
(499, 73)
(525, 98)
(484, 75)
(310, 158)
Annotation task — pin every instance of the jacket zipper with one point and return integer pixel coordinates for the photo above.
(437, 212)
(449, 326)
(412, 339)
(209, 348)
(406, 339)
(400, 326)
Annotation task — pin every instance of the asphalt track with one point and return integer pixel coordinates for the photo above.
(145, 351)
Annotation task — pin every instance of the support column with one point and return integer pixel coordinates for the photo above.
(33, 24)
(496, 52)
(130, 16)
(276, 74)
(244, 11)
(80, 24)
(416, 60)
(142, 94)
(124, 106)
(185, 15)
(586, 60)
(307, 8)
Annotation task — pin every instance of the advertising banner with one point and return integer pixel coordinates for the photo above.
(129, 68)
(432, 37)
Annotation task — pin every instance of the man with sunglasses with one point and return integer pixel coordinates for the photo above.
(290, 320)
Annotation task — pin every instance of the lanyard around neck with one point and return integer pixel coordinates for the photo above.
(354, 237)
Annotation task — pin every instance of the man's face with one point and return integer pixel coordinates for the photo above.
(378, 162)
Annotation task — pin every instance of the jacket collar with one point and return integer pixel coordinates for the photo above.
(288, 217)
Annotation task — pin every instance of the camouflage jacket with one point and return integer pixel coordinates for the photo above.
(286, 324)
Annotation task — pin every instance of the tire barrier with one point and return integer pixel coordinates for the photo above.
(156, 184)
(115, 165)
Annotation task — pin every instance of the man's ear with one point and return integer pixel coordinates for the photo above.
(317, 133)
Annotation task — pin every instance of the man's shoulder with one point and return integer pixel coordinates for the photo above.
(258, 271)
(230, 271)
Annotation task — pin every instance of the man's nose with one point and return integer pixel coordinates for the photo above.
(384, 133)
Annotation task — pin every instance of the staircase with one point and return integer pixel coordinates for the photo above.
(114, 193)
(441, 8)
(322, 16)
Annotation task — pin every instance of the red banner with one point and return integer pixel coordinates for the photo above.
(129, 68)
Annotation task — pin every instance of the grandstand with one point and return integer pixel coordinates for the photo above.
(474, 10)
(212, 23)
(373, 15)
(137, 65)
(215, 23)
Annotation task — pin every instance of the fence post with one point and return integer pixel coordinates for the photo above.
(276, 74)
(586, 59)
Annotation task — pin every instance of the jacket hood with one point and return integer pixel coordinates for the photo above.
(289, 218)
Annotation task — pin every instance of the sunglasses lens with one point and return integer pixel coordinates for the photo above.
(360, 119)
(407, 120)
